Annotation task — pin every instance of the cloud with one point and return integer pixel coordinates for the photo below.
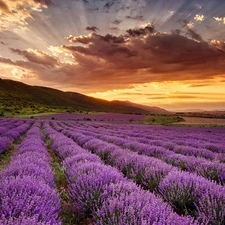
(109, 4)
(141, 55)
(199, 17)
(176, 32)
(4, 7)
(141, 31)
(117, 22)
(80, 39)
(6, 61)
(190, 25)
(198, 6)
(199, 85)
(138, 17)
(93, 9)
(93, 37)
(37, 56)
(220, 19)
(173, 97)
(194, 35)
(114, 28)
(43, 2)
(15, 13)
(218, 44)
(93, 28)
(156, 56)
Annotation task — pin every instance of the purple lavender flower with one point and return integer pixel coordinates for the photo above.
(194, 195)
(25, 220)
(4, 144)
(24, 195)
(82, 157)
(136, 207)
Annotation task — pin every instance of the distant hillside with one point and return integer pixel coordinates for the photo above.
(16, 95)
(151, 109)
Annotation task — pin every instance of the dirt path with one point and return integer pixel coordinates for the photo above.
(198, 120)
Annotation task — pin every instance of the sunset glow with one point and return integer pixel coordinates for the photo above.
(169, 54)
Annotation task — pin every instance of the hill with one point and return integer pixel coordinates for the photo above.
(151, 109)
(19, 98)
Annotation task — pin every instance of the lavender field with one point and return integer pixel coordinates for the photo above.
(107, 173)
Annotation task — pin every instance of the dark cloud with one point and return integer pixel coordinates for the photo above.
(114, 39)
(109, 4)
(96, 37)
(193, 34)
(37, 56)
(3, 43)
(93, 28)
(176, 32)
(108, 52)
(117, 22)
(124, 8)
(108, 49)
(82, 50)
(139, 17)
(141, 31)
(114, 28)
(184, 23)
(93, 9)
(6, 61)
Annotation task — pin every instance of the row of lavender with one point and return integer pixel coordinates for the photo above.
(11, 130)
(205, 138)
(213, 170)
(103, 192)
(187, 193)
(172, 142)
(173, 138)
(27, 194)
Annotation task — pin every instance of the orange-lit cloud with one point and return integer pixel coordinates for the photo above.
(4, 7)
(141, 55)
(38, 57)
(14, 13)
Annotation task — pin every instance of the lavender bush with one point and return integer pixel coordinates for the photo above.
(4, 144)
(27, 194)
(190, 194)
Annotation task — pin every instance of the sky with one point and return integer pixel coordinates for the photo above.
(165, 53)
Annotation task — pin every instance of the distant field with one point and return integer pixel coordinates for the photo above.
(150, 120)
(161, 119)
(198, 120)
(95, 116)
